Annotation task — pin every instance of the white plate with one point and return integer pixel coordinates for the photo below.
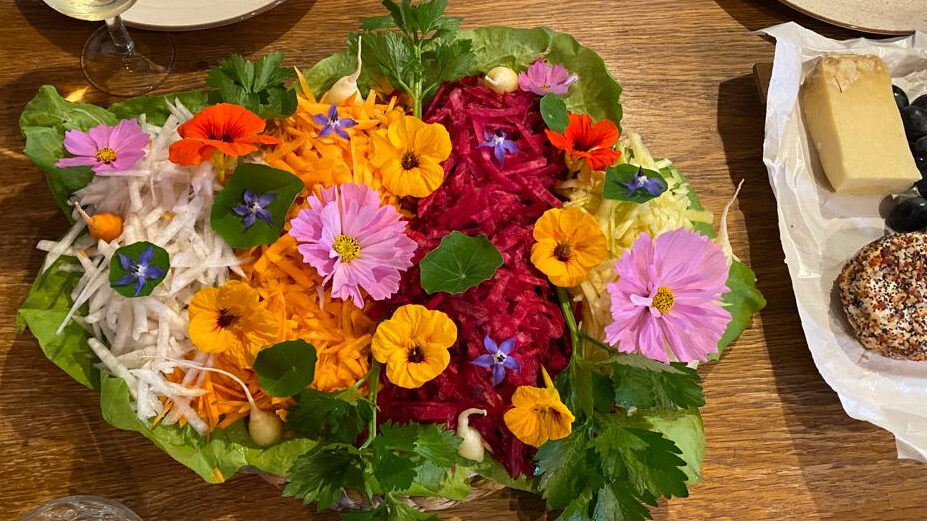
(871, 16)
(188, 15)
(820, 230)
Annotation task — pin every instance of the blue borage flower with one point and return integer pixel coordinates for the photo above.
(254, 207)
(333, 123)
(652, 185)
(139, 271)
(500, 144)
(499, 358)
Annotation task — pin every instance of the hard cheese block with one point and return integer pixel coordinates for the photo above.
(855, 126)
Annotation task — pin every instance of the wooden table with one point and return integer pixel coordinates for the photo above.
(779, 444)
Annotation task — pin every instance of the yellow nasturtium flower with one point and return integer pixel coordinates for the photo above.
(409, 155)
(538, 414)
(569, 242)
(231, 320)
(413, 344)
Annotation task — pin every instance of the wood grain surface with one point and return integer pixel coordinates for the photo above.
(779, 444)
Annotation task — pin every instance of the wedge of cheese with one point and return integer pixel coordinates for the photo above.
(855, 126)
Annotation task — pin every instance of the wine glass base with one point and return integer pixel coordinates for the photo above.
(123, 74)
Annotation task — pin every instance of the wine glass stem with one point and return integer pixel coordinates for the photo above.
(119, 34)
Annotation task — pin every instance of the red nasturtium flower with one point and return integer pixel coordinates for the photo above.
(589, 141)
(228, 129)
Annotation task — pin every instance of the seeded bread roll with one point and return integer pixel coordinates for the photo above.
(884, 293)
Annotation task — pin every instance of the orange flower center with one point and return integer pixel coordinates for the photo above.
(106, 155)
(563, 252)
(346, 247)
(415, 354)
(664, 300)
(226, 319)
(409, 160)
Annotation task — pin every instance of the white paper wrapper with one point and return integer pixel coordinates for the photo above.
(821, 230)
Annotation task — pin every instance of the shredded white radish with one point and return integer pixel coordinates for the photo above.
(138, 339)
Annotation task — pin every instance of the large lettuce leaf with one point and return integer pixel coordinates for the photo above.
(43, 123)
(216, 457)
(597, 93)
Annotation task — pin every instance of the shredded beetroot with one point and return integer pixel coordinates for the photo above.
(480, 198)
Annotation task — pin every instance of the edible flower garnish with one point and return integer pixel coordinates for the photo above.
(332, 123)
(414, 345)
(102, 226)
(254, 207)
(652, 185)
(409, 155)
(538, 415)
(668, 295)
(499, 358)
(542, 77)
(231, 320)
(500, 145)
(569, 242)
(591, 142)
(219, 133)
(354, 242)
(139, 271)
(105, 148)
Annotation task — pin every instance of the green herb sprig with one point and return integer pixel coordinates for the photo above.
(415, 48)
(258, 86)
(613, 466)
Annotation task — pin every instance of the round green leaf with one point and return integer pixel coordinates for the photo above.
(260, 179)
(554, 112)
(617, 175)
(459, 263)
(287, 368)
(118, 274)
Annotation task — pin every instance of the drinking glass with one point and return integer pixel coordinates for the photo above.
(81, 508)
(113, 61)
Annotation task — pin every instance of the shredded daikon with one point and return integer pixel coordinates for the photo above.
(167, 205)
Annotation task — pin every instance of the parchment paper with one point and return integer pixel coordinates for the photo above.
(821, 230)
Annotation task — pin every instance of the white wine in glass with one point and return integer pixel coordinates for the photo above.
(113, 61)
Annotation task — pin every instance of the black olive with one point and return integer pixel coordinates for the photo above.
(919, 149)
(909, 215)
(920, 101)
(901, 99)
(915, 122)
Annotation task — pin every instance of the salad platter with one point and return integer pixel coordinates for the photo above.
(423, 269)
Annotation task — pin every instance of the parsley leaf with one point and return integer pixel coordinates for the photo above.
(323, 416)
(323, 474)
(671, 386)
(257, 86)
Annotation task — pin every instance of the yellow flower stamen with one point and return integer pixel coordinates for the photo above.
(563, 252)
(664, 300)
(409, 160)
(347, 247)
(106, 155)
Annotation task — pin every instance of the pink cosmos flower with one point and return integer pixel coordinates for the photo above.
(106, 148)
(669, 296)
(541, 78)
(354, 242)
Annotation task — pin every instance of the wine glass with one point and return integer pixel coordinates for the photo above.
(113, 61)
(81, 508)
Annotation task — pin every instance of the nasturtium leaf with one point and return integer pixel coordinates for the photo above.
(628, 182)
(554, 112)
(286, 368)
(136, 269)
(260, 180)
(459, 263)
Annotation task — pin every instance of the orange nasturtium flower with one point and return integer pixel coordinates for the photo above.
(587, 141)
(413, 344)
(569, 242)
(219, 130)
(231, 320)
(538, 414)
(409, 155)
